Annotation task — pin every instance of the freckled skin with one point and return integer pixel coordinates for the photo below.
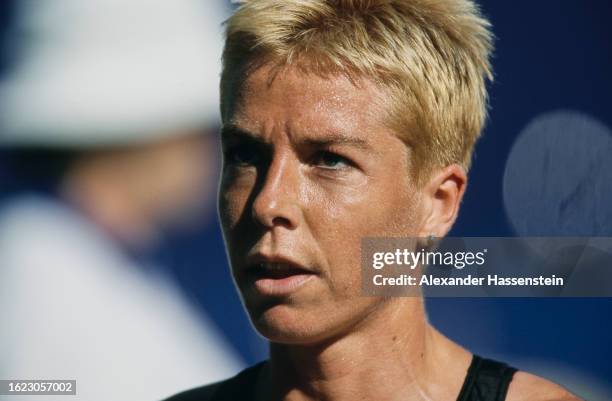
(293, 205)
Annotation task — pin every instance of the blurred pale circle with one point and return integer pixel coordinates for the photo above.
(118, 73)
(558, 177)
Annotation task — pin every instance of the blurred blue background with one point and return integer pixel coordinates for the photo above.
(551, 56)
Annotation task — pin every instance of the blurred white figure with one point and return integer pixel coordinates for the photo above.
(120, 92)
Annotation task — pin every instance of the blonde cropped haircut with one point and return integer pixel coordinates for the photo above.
(431, 57)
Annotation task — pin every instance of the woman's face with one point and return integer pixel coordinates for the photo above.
(309, 170)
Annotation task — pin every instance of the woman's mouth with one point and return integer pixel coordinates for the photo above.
(277, 278)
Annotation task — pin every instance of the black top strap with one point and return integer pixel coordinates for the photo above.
(486, 380)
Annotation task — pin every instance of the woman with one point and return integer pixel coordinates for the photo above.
(343, 120)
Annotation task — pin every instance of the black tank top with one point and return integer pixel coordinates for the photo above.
(486, 380)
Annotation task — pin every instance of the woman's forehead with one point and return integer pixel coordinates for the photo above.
(309, 102)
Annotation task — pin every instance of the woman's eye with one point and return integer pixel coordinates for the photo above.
(242, 155)
(332, 161)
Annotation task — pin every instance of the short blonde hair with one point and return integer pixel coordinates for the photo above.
(432, 57)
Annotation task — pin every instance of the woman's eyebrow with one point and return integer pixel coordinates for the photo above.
(233, 131)
(337, 139)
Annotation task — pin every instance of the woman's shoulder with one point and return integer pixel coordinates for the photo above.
(239, 387)
(528, 387)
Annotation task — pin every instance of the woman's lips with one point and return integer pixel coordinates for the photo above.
(277, 279)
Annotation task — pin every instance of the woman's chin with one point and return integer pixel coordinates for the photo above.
(283, 325)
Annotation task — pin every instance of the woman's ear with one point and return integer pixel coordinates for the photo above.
(442, 196)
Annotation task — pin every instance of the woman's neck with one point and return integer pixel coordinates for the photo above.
(393, 355)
